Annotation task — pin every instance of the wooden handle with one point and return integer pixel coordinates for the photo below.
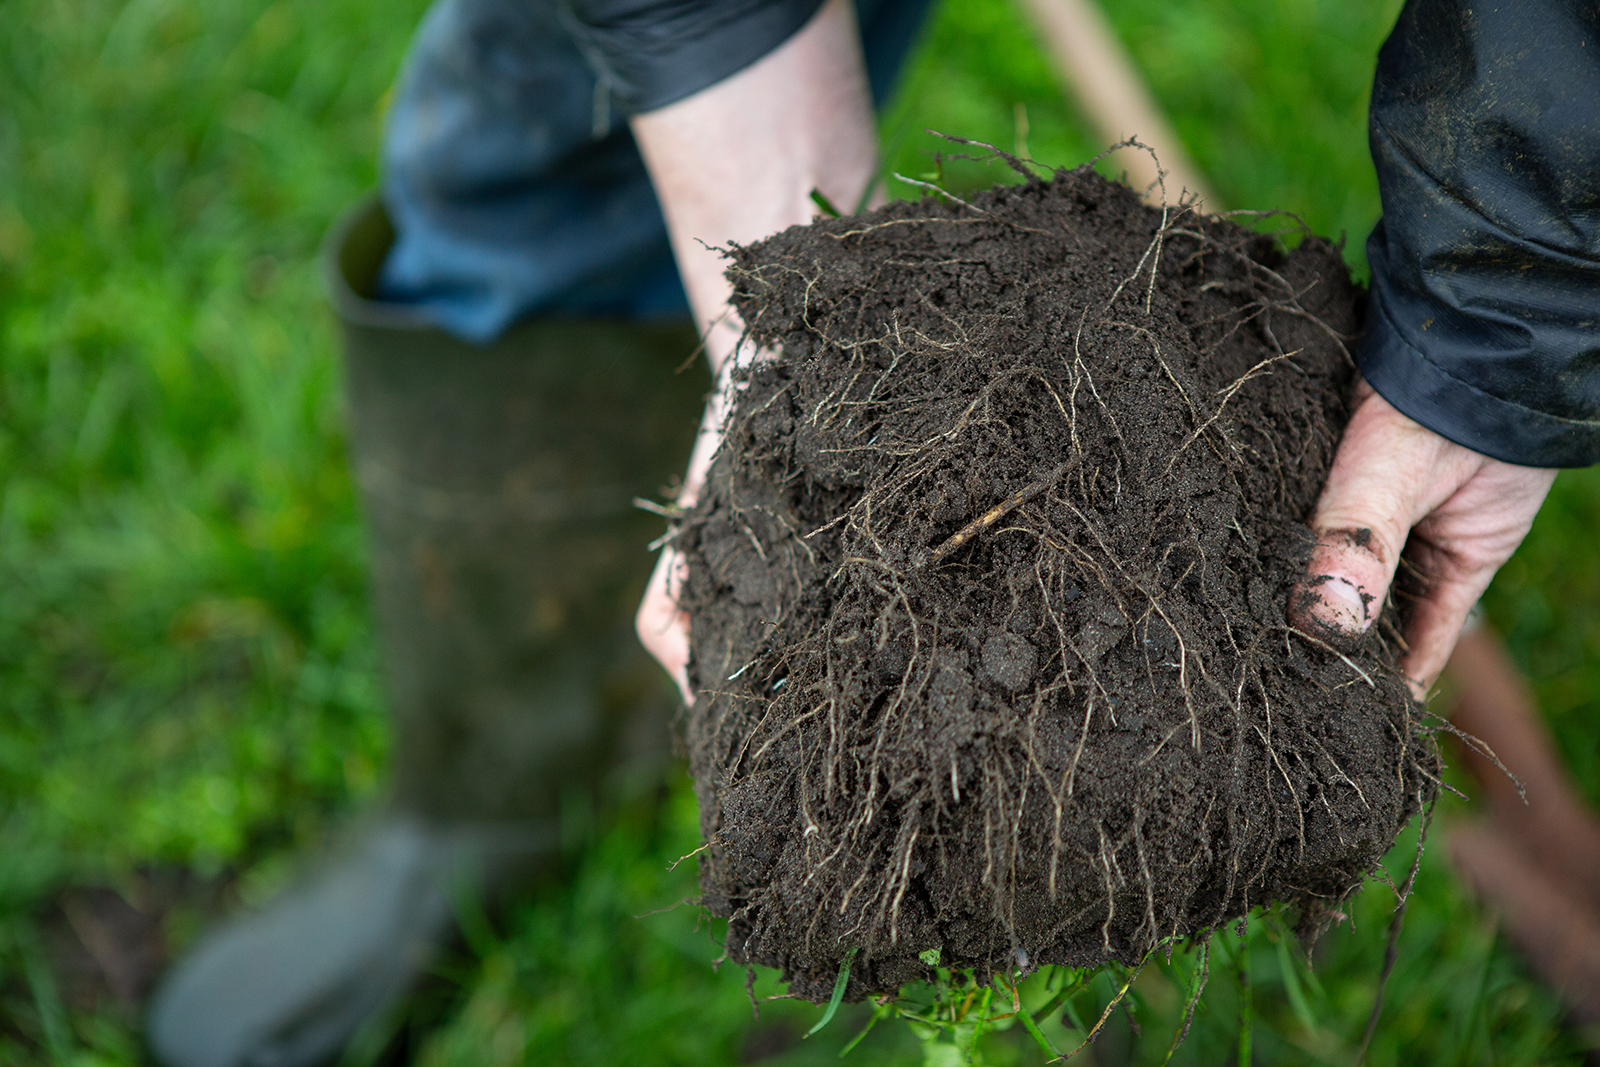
(1099, 73)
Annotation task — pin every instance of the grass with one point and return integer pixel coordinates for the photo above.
(187, 668)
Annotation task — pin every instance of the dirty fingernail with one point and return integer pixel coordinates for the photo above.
(1341, 604)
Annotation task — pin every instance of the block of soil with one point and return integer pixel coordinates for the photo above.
(988, 593)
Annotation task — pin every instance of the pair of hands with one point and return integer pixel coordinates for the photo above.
(1392, 481)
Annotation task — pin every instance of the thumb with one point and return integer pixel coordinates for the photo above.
(1389, 472)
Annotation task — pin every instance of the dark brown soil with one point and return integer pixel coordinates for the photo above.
(988, 593)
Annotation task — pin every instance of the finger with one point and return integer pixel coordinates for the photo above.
(663, 626)
(1438, 617)
(1457, 549)
(1387, 474)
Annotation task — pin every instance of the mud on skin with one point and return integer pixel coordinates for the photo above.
(988, 591)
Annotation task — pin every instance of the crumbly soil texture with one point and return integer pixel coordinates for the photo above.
(988, 592)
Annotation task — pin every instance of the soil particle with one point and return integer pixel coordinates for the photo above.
(988, 593)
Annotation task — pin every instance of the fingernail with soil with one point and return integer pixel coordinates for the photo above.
(1339, 604)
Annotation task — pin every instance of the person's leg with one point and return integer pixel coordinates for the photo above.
(497, 483)
(496, 477)
(513, 188)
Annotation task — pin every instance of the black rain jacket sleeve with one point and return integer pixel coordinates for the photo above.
(650, 53)
(1485, 316)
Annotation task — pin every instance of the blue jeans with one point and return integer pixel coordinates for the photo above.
(513, 187)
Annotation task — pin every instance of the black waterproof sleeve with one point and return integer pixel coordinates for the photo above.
(650, 53)
(1485, 315)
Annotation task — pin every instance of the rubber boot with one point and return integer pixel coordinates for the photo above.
(507, 561)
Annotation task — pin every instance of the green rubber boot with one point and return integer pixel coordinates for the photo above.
(507, 562)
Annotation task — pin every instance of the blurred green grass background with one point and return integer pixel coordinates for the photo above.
(188, 691)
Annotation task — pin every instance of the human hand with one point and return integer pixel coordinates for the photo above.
(797, 120)
(663, 626)
(1464, 513)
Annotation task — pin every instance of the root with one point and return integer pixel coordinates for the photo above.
(1100, 1023)
(1391, 951)
(1227, 394)
(999, 511)
(1481, 747)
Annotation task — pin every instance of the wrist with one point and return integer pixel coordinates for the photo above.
(737, 161)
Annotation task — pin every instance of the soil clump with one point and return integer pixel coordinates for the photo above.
(988, 585)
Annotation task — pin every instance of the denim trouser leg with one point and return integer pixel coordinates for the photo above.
(515, 189)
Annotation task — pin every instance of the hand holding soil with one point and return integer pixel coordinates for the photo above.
(662, 625)
(1464, 513)
(802, 118)
(990, 585)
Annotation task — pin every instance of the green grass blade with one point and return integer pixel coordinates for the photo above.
(1291, 987)
(1197, 986)
(1243, 964)
(838, 992)
(977, 1024)
(879, 1012)
(824, 203)
(1066, 992)
(1038, 1035)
